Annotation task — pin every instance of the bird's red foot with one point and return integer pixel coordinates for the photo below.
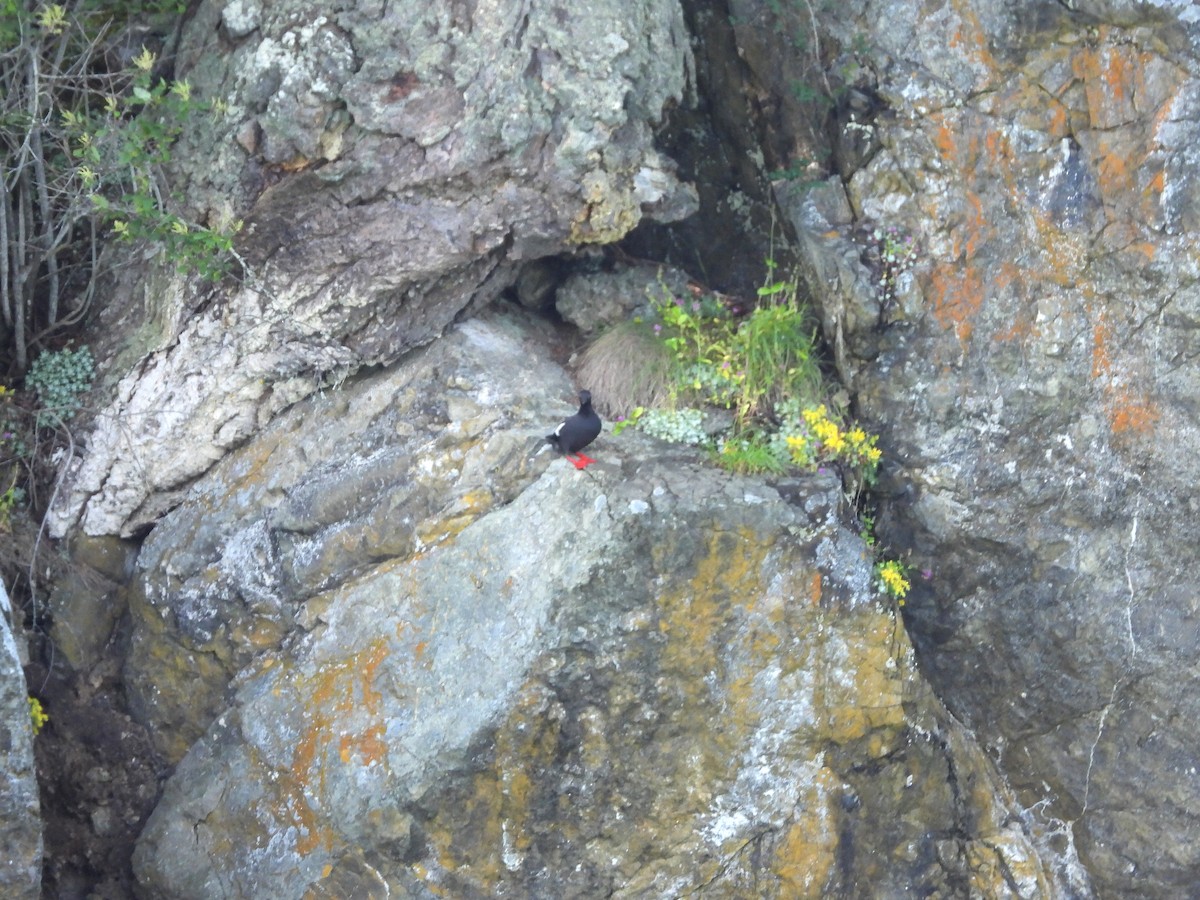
(580, 461)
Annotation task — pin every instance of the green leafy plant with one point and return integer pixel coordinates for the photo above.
(751, 455)
(121, 154)
(12, 440)
(60, 378)
(763, 367)
(745, 364)
(13, 497)
(897, 256)
(83, 145)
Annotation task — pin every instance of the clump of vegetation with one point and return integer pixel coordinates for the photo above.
(14, 453)
(897, 253)
(83, 147)
(61, 378)
(762, 366)
(893, 579)
(625, 368)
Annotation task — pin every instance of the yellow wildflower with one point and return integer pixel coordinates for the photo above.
(891, 573)
(37, 714)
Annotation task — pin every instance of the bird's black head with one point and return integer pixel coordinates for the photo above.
(585, 397)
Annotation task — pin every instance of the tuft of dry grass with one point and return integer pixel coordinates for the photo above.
(626, 367)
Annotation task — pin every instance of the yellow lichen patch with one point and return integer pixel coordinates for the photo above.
(805, 857)
(477, 502)
(860, 688)
(693, 619)
(610, 214)
(435, 531)
(480, 835)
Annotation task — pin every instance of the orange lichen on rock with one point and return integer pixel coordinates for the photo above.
(1114, 169)
(946, 142)
(805, 857)
(368, 748)
(957, 293)
(1130, 412)
(1111, 76)
(335, 693)
(1101, 348)
(972, 38)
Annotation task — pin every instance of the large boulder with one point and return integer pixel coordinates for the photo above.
(1032, 376)
(397, 651)
(393, 166)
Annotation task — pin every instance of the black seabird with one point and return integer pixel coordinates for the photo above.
(577, 432)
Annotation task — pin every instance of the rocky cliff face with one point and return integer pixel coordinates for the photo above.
(1035, 379)
(394, 167)
(389, 650)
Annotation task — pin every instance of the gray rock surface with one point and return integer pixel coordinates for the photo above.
(1035, 384)
(393, 167)
(390, 466)
(431, 662)
(20, 820)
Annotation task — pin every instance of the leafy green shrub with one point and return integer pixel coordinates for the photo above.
(82, 147)
(750, 455)
(60, 378)
(745, 364)
(12, 440)
(764, 368)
